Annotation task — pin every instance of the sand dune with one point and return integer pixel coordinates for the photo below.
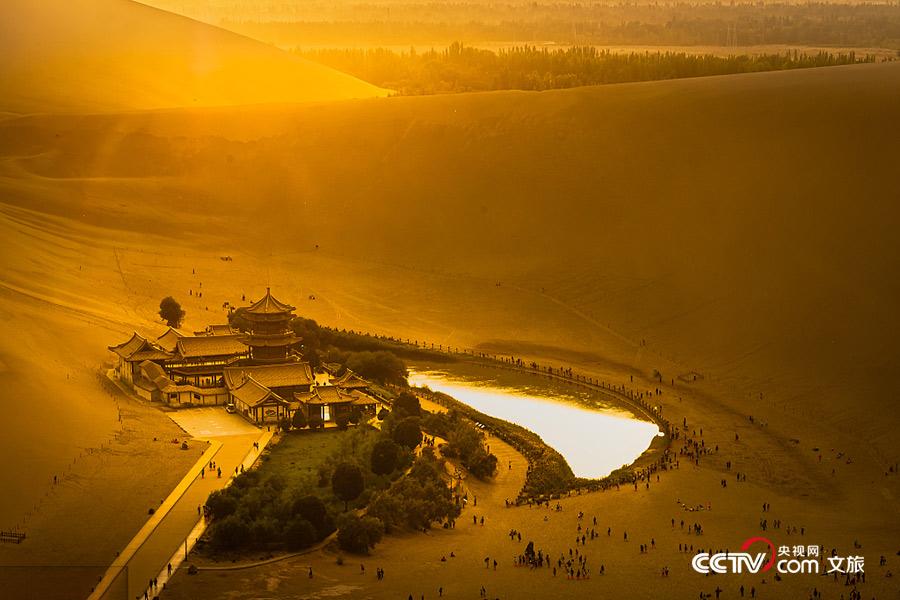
(743, 226)
(100, 55)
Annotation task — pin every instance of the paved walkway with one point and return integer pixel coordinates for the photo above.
(178, 520)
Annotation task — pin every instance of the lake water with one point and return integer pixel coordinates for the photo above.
(594, 441)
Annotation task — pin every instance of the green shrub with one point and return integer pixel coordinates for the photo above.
(407, 433)
(359, 534)
(311, 508)
(347, 482)
(384, 457)
(342, 420)
(299, 419)
(221, 504)
(299, 534)
(229, 534)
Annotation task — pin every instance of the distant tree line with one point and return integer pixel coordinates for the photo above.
(587, 23)
(461, 68)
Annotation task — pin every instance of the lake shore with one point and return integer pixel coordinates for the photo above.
(811, 499)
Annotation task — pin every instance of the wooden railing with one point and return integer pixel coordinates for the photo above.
(11, 537)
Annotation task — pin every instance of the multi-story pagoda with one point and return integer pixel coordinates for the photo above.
(269, 334)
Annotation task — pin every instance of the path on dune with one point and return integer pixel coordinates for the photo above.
(150, 552)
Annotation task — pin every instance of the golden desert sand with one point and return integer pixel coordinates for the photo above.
(742, 227)
(105, 55)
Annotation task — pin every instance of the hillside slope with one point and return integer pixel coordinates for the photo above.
(743, 227)
(100, 55)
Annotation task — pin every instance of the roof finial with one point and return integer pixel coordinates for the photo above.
(268, 290)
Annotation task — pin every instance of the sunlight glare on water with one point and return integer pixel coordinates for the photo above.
(593, 442)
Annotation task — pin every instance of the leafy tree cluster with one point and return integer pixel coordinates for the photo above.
(548, 472)
(403, 423)
(261, 513)
(464, 441)
(587, 23)
(417, 500)
(460, 68)
(359, 533)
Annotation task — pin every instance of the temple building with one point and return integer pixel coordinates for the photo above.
(258, 403)
(132, 353)
(270, 338)
(259, 370)
(328, 401)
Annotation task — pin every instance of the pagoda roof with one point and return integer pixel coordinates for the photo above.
(150, 354)
(139, 348)
(126, 349)
(223, 329)
(329, 394)
(154, 376)
(169, 338)
(270, 340)
(268, 305)
(151, 370)
(253, 393)
(361, 399)
(278, 375)
(350, 380)
(209, 345)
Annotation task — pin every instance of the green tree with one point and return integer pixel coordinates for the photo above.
(407, 405)
(171, 312)
(347, 482)
(384, 457)
(315, 421)
(299, 534)
(342, 420)
(221, 504)
(299, 419)
(311, 508)
(481, 464)
(407, 433)
(231, 533)
(359, 534)
(383, 413)
(381, 366)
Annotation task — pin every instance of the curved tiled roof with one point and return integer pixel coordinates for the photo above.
(268, 305)
(329, 394)
(350, 380)
(210, 345)
(139, 348)
(126, 349)
(283, 375)
(252, 393)
(169, 338)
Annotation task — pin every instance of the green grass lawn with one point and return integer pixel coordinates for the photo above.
(297, 456)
